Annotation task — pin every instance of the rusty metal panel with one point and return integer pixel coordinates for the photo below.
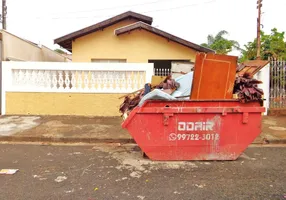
(214, 76)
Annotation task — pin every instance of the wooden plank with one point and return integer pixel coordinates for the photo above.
(214, 77)
(252, 66)
(156, 80)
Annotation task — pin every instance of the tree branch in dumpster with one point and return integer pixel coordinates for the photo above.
(246, 89)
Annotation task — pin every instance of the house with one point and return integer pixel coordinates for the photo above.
(129, 37)
(14, 48)
(110, 59)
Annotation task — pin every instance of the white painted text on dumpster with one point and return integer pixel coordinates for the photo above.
(194, 131)
(194, 137)
(195, 126)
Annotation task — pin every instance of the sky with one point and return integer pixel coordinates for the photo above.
(42, 21)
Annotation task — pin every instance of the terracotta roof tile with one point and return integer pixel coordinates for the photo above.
(66, 41)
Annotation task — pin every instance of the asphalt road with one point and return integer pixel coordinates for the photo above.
(119, 172)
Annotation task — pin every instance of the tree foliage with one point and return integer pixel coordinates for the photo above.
(59, 51)
(220, 44)
(272, 46)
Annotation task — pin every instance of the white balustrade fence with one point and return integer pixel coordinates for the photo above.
(74, 77)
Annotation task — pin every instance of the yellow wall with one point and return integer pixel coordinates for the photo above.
(136, 46)
(18, 103)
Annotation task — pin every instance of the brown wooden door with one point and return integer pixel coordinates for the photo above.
(214, 76)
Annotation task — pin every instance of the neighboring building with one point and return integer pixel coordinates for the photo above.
(69, 56)
(129, 37)
(14, 48)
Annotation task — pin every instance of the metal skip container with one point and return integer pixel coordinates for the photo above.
(196, 129)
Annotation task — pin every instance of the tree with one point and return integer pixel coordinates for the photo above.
(220, 44)
(59, 51)
(272, 46)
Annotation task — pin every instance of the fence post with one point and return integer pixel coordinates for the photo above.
(5, 83)
(149, 72)
(1, 87)
(265, 77)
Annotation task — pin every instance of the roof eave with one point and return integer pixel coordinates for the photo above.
(141, 25)
(104, 24)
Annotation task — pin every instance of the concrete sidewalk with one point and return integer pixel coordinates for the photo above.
(74, 129)
(273, 130)
(62, 129)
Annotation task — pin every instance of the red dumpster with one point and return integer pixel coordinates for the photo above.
(194, 130)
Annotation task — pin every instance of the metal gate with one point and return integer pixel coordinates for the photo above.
(278, 84)
(162, 71)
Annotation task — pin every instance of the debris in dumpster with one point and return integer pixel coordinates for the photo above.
(147, 88)
(214, 77)
(184, 90)
(179, 72)
(156, 94)
(167, 86)
(132, 93)
(168, 83)
(129, 103)
(186, 82)
(246, 89)
(156, 80)
(251, 66)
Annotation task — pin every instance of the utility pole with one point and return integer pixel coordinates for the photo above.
(259, 5)
(4, 13)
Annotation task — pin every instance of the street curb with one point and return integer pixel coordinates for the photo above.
(63, 140)
(94, 140)
(277, 141)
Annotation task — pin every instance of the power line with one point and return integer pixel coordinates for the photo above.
(179, 7)
(114, 7)
(144, 12)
